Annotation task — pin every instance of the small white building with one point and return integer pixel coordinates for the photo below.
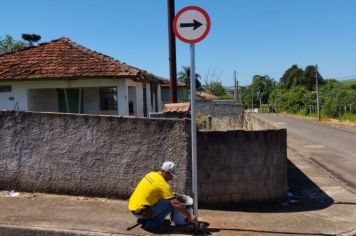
(61, 76)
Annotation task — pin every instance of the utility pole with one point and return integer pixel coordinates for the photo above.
(260, 95)
(317, 91)
(236, 97)
(172, 52)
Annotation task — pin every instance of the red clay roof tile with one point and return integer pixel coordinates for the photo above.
(64, 59)
(176, 107)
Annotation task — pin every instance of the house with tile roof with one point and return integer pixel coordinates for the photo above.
(62, 76)
(182, 92)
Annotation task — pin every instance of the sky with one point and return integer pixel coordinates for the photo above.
(253, 37)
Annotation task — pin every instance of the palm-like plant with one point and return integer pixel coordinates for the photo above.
(184, 77)
(31, 38)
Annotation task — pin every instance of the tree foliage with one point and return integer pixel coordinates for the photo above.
(295, 93)
(296, 76)
(9, 44)
(31, 38)
(262, 87)
(184, 77)
(215, 87)
(337, 99)
(310, 77)
(292, 77)
(258, 92)
(293, 100)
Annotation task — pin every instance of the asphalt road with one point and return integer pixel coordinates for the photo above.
(334, 149)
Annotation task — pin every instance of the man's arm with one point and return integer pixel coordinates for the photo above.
(179, 207)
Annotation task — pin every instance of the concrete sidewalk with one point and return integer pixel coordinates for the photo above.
(317, 205)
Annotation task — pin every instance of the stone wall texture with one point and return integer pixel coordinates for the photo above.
(242, 166)
(88, 155)
(107, 156)
(225, 115)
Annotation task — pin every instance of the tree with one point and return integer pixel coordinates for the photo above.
(184, 77)
(294, 100)
(215, 87)
(295, 76)
(8, 44)
(262, 86)
(337, 99)
(292, 77)
(245, 96)
(248, 98)
(309, 79)
(31, 38)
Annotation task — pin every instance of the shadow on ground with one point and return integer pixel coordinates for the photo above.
(214, 230)
(303, 195)
(189, 229)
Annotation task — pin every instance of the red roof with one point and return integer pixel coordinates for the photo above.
(64, 59)
(205, 96)
(176, 107)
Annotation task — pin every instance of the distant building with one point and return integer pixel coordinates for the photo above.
(182, 92)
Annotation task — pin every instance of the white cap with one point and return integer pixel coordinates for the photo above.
(170, 167)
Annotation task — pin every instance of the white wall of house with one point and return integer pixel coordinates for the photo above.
(14, 100)
(7, 99)
(25, 91)
(50, 103)
(91, 100)
(122, 97)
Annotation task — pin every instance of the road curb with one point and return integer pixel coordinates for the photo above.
(15, 230)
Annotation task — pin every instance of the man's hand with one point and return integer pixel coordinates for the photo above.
(179, 207)
(193, 220)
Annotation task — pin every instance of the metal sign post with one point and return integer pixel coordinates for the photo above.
(194, 130)
(191, 25)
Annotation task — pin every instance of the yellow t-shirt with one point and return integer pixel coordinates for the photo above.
(149, 191)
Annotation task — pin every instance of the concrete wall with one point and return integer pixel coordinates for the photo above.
(242, 166)
(253, 121)
(108, 155)
(88, 155)
(225, 115)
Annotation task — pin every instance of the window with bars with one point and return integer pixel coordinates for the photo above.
(108, 98)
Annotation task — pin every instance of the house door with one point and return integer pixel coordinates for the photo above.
(132, 101)
(70, 100)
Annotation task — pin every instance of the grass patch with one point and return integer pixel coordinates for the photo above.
(348, 117)
(349, 82)
(226, 96)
